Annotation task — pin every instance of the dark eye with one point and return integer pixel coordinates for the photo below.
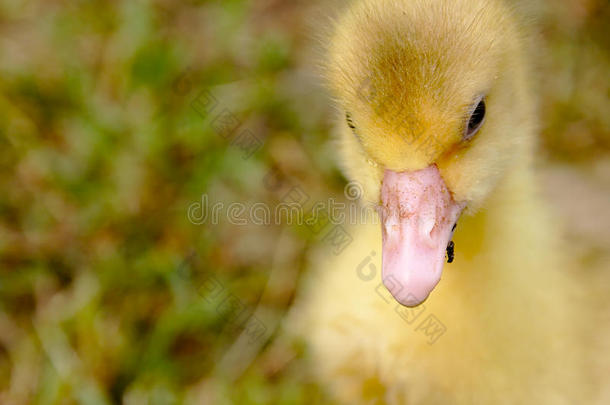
(350, 122)
(476, 120)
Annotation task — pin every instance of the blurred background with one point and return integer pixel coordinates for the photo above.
(116, 117)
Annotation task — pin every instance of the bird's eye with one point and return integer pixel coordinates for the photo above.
(476, 120)
(350, 122)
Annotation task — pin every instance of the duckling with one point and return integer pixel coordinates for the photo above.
(438, 126)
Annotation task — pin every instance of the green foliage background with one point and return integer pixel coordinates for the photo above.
(101, 155)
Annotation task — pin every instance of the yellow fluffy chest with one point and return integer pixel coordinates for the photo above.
(484, 335)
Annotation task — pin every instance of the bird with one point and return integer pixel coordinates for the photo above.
(437, 124)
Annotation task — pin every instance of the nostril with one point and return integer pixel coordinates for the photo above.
(425, 229)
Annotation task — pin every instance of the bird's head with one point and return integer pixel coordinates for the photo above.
(434, 112)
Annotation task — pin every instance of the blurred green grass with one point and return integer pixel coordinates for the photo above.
(101, 154)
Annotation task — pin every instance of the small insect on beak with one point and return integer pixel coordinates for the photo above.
(451, 246)
(450, 253)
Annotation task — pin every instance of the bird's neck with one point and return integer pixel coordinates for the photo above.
(513, 214)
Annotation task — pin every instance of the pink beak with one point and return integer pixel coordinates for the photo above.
(418, 215)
